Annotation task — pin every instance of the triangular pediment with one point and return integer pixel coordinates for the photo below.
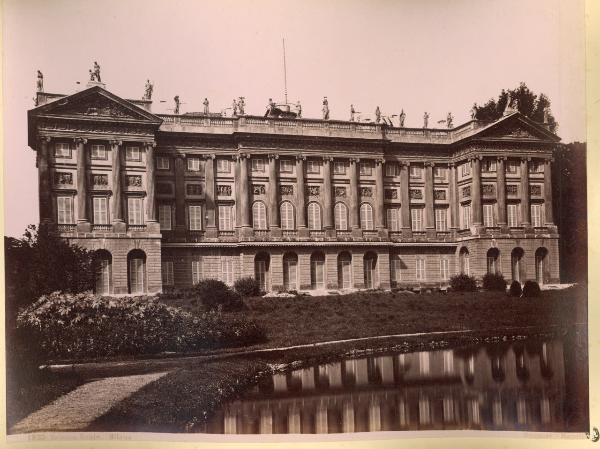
(96, 103)
(516, 126)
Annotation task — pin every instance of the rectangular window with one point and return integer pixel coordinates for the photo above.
(195, 214)
(512, 167)
(339, 167)
(223, 166)
(225, 218)
(100, 206)
(98, 152)
(133, 154)
(396, 269)
(62, 150)
(448, 406)
(448, 361)
(488, 215)
(424, 363)
(65, 209)
(420, 269)
(227, 269)
(313, 166)
(424, 411)
(416, 216)
(366, 168)
(441, 219)
(162, 163)
(488, 165)
(258, 165)
(167, 273)
(134, 211)
(416, 172)
(513, 215)
(465, 169)
(196, 271)
(536, 167)
(391, 169)
(444, 269)
(440, 173)
(193, 164)
(536, 215)
(466, 216)
(164, 216)
(393, 219)
(286, 165)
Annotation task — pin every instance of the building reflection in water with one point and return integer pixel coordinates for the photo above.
(512, 386)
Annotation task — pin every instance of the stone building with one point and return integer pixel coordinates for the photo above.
(298, 203)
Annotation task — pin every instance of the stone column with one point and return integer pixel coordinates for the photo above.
(476, 193)
(354, 199)
(274, 222)
(453, 194)
(83, 221)
(44, 182)
(525, 210)
(300, 197)
(501, 193)
(245, 195)
(117, 187)
(379, 199)
(328, 224)
(180, 224)
(150, 188)
(549, 213)
(209, 196)
(429, 211)
(405, 199)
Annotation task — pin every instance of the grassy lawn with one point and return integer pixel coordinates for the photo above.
(309, 319)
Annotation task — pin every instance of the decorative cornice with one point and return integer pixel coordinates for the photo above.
(115, 142)
(300, 157)
(429, 164)
(327, 159)
(210, 156)
(273, 156)
(501, 158)
(78, 140)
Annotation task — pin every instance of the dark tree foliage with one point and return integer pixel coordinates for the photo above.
(494, 282)
(527, 102)
(463, 283)
(40, 263)
(531, 289)
(515, 289)
(569, 186)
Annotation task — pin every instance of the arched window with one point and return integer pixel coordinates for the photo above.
(370, 269)
(341, 217)
(290, 271)
(261, 270)
(344, 270)
(541, 257)
(314, 217)
(317, 271)
(287, 216)
(464, 261)
(516, 257)
(103, 264)
(366, 217)
(493, 256)
(136, 264)
(259, 215)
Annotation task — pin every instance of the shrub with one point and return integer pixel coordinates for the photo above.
(247, 286)
(515, 289)
(83, 325)
(531, 289)
(494, 282)
(216, 294)
(463, 283)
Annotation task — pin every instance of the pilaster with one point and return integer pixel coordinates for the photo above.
(209, 196)
(327, 198)
(273, 190)
(44, 183)
(117, 200)
(301, 198)
(549, 213)
(83, 221)
(180, 224)
(525, 209)
(429, 211)
(501, 193)
(405, 199)
(151, 221)
(379, 200)
(354, 199)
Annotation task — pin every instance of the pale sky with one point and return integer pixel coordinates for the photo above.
(419, 55)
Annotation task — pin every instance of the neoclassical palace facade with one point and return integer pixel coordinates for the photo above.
(299, 203)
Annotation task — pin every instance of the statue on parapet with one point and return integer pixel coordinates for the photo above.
(148, 90)
(298, 109)
(205, 103)
(401, 118)
(449, 119)
(234, 107)
(377, 115)
(474, 112)
(97, 71)
(425, 119)
(40, 82)
(177, 102)
(352, 112)
(92, 76)
(270, 108)
(241, 105)
(325, 109)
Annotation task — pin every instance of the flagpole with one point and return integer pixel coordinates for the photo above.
(284, 74)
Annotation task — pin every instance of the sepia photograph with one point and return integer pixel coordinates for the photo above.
(323, 220)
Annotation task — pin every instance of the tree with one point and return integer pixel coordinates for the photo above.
(526, 101)
(40, 263)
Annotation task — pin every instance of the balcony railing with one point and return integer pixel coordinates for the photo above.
(136, 227)
(102, 227)
(346, 235)
(261, 234)
(370, 234)
(317, 234)
(289, 233)
(66, 227)
(226, 233)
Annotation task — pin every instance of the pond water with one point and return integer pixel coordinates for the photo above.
(531, 385)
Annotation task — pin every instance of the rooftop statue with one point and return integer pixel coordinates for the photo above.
(176, 99)
(449, 120)
(401, 118)
(298, 109)
(234, 107)
(270, 108)
(148, 90)
(352, 112)
(241, 105)
(97, 71)
(205, 103)
(325, 109)
(92, 76)
(40, 82)
(377, 115)
(546, 115)
(474, 112)
(425, 120)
